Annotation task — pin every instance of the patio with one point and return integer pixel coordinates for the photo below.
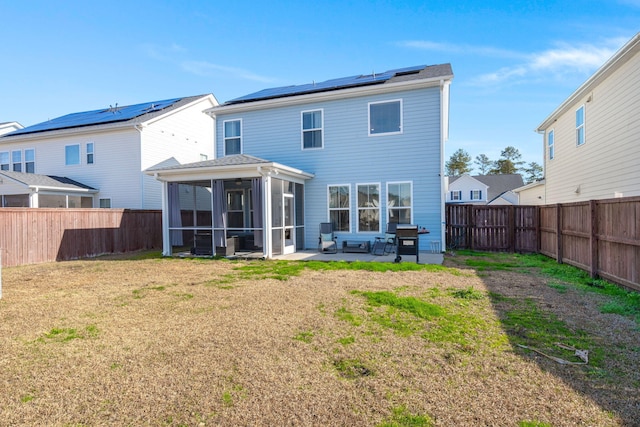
(426, 257)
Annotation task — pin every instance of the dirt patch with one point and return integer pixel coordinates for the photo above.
(187, 342)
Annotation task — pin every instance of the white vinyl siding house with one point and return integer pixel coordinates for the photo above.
(112, 157)
(483, 189)
(381, 153)
(595, 134)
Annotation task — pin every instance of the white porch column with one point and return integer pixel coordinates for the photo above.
(268, 247)
(166, 238)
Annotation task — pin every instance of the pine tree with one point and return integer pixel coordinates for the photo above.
(459, 163)
(483, 163)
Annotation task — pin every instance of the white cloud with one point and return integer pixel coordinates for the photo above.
(208, 69)
(460, 48)
(556, 62)
(175, 54)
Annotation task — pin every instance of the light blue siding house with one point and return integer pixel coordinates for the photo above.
(359, 152)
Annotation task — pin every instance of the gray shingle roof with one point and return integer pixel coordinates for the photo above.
(132, 114)
(36, 180)
(497, 184)
(234, 160)
(419, 72)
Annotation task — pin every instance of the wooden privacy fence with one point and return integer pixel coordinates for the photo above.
(599, 236)
(30, 236)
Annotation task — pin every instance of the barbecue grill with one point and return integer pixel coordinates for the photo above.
(407, 241)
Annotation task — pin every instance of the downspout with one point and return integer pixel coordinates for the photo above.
(544, 162)
(444, 136)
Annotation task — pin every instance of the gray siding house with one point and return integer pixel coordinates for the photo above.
(359, 152)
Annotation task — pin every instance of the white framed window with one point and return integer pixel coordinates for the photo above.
(232, 137)
(4, 160)
(456, 195)
(72, 154)
(385, 118)
(30, 160)
(580, 126)
(550, 144)
(476, 194)
(105, 203)
(203, 157)
(400, 202)
(340, 206)
(368, 207)
(16, 160)
(90, 153)
(312, 129)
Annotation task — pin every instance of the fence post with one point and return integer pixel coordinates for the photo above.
(471, 224)
(559, 233)
(593, 241)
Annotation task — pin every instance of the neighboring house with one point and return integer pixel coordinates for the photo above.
(7, 127)
(483, 189)
(531, 194)
(107, 150)
(358, 152)
(31, 190)
(591, 148)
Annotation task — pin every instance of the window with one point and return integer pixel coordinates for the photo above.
(4, 160)
(72, 154)
(312, 129)
(339, 207)
(16, 159)
(203, 157)
(399, 202)
(580, 126)
(89, 153)
(476, 194)
(456, 195)
(30, 160)
(105, 203)
(232, 137)
(550, 142)
(385, 117)
(368, 207)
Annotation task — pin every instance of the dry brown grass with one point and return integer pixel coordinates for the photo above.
(183, 342)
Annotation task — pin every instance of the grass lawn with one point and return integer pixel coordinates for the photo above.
(173, 342)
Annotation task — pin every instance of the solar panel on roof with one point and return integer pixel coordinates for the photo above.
(339, 83)
(107, 115)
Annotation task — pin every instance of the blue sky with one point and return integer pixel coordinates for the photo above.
(514, 61)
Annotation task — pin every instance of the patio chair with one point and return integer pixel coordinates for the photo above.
(387, 244)
(328, 242)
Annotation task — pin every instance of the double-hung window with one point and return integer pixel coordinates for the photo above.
(456, 196)
(476, 194)
(312, 129)
(90, 153)
(72, 154)
(400, 202)
(368, 207)
(385, 117)
(232, 137)
(550, 144)
(16, 160)
(580, 126)
(30, 160)
(339, 207)
(4, 160)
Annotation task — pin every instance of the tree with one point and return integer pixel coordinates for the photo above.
(458, 163)
(533, 172)
(508, 163)
(483, 163)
